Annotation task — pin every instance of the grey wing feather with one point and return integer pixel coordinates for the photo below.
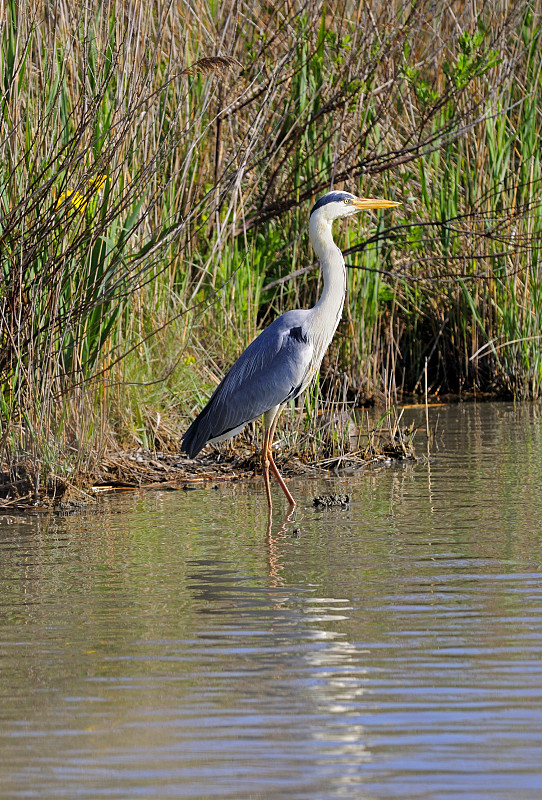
(272, 370)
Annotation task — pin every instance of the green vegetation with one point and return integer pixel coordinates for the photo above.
(158, 165)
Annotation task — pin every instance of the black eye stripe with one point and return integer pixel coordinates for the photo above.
(332, 197)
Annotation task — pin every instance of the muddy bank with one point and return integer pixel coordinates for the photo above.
(22, 491)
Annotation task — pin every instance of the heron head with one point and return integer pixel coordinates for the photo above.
(343, 204)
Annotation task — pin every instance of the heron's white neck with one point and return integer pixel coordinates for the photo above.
(328, 309)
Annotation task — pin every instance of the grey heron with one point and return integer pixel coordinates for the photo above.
(281, 362)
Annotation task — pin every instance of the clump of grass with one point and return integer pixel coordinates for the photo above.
(84, 183)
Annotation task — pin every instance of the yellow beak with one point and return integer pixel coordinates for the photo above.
(367, 202)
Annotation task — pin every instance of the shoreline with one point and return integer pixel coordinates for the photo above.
(142, 470)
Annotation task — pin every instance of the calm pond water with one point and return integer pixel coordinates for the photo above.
(165, 645)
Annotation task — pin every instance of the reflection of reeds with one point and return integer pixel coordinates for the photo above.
(216, 129)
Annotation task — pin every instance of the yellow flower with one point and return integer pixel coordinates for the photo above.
(98, 181)
(76, 198)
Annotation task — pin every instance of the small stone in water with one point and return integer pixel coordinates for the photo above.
(331, 501)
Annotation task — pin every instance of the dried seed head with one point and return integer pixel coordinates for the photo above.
(211, 64)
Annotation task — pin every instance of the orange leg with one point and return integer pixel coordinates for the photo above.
(267, 460)
(281, 481)
(265, 468)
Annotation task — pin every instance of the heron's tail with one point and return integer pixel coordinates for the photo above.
(198, 434)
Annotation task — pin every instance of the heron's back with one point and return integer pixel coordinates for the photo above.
(273, 369)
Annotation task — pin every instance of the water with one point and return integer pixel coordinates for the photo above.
(168, 646)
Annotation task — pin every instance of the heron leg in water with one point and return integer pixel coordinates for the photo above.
(267, 458)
